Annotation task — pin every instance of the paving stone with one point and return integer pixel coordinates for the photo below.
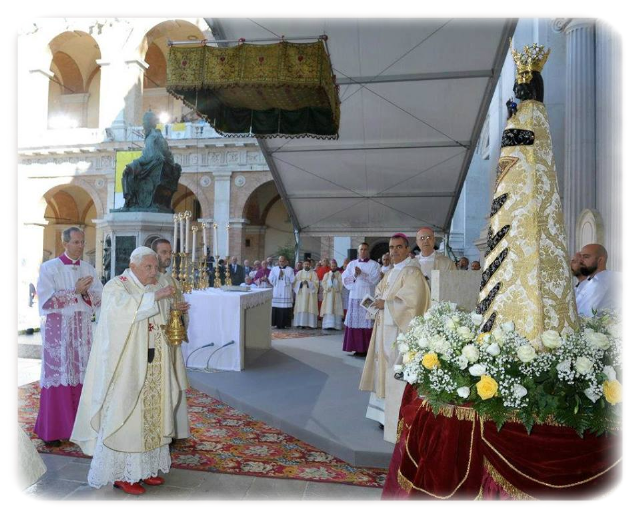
(322, 491)
(108, 492)
(219, 486)
(52, 488)
(275, 489)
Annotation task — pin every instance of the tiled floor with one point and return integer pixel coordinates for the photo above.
(66, 479)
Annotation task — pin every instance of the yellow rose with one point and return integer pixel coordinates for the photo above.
(612, 391)
(487, 387)
(430, 361)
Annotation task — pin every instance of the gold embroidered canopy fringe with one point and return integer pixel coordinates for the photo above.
(276, 90)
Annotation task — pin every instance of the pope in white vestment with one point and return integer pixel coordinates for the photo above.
(126, 415)
(401, 295)
(305, 311)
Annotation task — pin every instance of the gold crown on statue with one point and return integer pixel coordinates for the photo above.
(531, 59)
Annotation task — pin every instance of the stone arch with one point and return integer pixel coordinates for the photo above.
(589, 229)
(73, 63)
(190, 182)
(241, 196)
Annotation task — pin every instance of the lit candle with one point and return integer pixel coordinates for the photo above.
(175, 232)
(181, 232)
(187, 215)
(228, 242)
(193, 249)
(215, 240)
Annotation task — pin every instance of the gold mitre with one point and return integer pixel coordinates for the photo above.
(531, 59)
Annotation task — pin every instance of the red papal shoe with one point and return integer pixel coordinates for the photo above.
(154, 481)
(127, 487)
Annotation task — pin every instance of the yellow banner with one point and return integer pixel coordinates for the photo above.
(179, 126)
(124, 158)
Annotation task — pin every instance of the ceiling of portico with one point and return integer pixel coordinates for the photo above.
(74, 52)
(414, 96)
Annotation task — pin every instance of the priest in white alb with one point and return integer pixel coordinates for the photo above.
(331, 310)
(360, 278)
(281, 278)
(163, 248)
(305, 311)
(402, 295)
(125, 420)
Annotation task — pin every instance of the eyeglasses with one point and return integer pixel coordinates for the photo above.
(424, 238)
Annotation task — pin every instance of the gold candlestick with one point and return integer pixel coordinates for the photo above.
(227, 274)
(216, 281)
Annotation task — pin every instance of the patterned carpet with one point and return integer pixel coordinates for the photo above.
(225, 440)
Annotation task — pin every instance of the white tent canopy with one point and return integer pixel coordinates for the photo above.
(414, 97)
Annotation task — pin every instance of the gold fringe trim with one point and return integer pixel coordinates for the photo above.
(399, 431)
(404, 483)
(461, 413)
(504, 484)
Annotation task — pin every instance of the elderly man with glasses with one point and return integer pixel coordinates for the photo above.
(429, 259)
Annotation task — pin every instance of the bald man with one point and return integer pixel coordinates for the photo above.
(428, 258)
(601, 289)
(576, 271)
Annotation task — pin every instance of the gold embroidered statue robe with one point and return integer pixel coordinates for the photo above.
(406, 295)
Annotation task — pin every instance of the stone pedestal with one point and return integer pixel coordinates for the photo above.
(461, 287)
(129, 230)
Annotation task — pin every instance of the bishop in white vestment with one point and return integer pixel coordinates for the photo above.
(331, 310)
(305, 311)
(402, 295)
(126, 415)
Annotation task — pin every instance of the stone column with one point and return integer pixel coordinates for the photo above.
(580, 129)
(30, 237)
(222, 195)
(34, 106)
(236, 238)
(608, 140)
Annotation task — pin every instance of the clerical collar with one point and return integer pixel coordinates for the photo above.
(429, 257)
(281, 267)
(363, 260)
(137, 281)
(402, 264)
(67, 260)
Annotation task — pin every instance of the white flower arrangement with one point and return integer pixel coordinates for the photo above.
(572, 379)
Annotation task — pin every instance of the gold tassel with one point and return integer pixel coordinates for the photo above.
(404, 483)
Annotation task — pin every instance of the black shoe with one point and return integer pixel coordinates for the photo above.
(381, 426)
(53, 444)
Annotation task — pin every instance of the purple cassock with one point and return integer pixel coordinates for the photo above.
(358, 328)
(66, 342)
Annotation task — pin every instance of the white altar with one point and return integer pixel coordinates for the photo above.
(223, 324)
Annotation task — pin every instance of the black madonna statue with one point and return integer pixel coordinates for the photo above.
(149, 182)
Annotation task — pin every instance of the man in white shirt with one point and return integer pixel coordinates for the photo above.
(601, 289)
(429, 259)
(360, 278)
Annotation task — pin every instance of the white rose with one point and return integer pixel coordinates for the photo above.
(477, 370)
(564, 366)
(476, 318)
(456, 319)
(583, 365)
(463, 392)
(551, 339)
(449, 324)
(487, 338)
(401, 337)
(615, 330)
(493, 349)
(440, 344)
(610, 372)
(591, 395)
(397, 368)
(410, 377)
(519, 391)
(507, 327)
(498, 335)
(465, 333)
(462, 362)
(526, 353)
(403, 347)
(597, 340)
(423, 343)
(453, 305)
(471, 353)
